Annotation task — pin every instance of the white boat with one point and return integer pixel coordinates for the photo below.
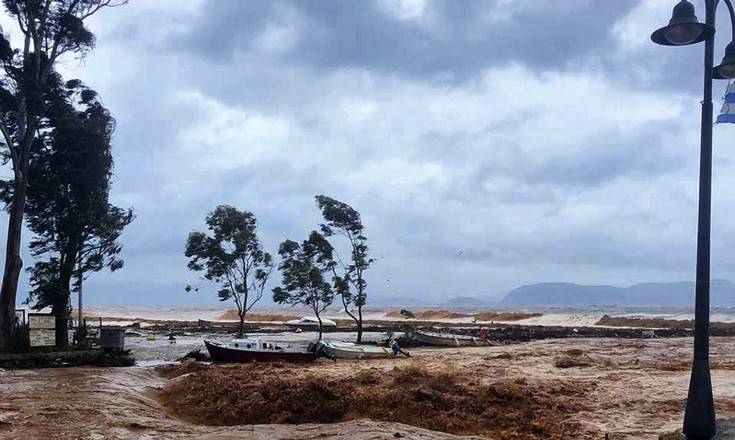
(348, 350)
(448, 339)
(308, 321)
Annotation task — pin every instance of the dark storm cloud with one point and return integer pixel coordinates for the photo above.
(461, 38)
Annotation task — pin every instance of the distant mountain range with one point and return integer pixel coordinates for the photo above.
(469, 301)
(677, 294)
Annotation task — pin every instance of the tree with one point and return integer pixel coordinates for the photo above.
(51, 29)
(302, 268)
(75, 228)
(342, 219)
(233, 257)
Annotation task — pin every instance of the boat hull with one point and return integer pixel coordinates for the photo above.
(450, 340)
(225, 354)
(358, 352)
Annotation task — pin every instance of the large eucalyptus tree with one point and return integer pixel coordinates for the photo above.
(50, 29)
(75, 227)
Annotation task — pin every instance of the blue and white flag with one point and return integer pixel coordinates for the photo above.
(727, 114)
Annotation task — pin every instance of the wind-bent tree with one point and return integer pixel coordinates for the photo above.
(342, 219)
(231, 256)
(302, 268)
(75, 228)
(50, 29)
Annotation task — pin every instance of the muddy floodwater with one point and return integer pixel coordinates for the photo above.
(572, 388)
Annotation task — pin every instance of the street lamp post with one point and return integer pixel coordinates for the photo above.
(685, 29)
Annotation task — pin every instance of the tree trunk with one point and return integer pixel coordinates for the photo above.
(359, 324)
(80, 277)
(60, 310)
(354, 318)
(242, 311)
(319, 318)
(62, 302)
(60, 306)
(241, 330)
(13, 263)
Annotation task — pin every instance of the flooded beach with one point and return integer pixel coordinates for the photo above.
(567, 388)
(561, 389)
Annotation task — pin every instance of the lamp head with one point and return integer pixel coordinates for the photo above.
(726, 69)
(684, 28)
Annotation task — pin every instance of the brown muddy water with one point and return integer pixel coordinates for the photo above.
(572, 388)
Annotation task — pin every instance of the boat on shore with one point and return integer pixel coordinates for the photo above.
(248, 350)
(448, 339)
(349, 350)
(308, 321)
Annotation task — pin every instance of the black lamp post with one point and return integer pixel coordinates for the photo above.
(685, 29)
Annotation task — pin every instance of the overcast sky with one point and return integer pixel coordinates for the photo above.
(487, 144)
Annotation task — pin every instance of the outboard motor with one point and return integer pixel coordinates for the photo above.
(396, 349)
(320, 350)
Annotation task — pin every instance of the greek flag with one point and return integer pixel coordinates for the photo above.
(727, 114)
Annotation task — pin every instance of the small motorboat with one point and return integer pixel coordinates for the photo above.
(448, 339)
(308, 321)
(349, 350)
(247, 350)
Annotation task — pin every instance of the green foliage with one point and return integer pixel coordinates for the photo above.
(342, 219)
(231, 256)
(76, 229)
(53, 28)
(58, 24)
(302, 269)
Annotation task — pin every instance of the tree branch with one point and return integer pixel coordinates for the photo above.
(8, 141)
(102, 4)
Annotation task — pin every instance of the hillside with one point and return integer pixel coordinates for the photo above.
(644, 294)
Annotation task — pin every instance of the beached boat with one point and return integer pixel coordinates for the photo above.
(448, 339)
(348, 350)
(308, 321)
(247, 350)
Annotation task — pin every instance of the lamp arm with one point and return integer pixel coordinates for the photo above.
(731, 9)
(712, 5)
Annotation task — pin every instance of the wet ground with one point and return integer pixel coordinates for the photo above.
(628, 389)
(122, 403)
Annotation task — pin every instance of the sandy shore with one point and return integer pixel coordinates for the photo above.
(652, 318)
(571, 388)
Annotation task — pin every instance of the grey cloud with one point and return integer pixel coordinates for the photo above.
(611, 155)
(461, 41)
